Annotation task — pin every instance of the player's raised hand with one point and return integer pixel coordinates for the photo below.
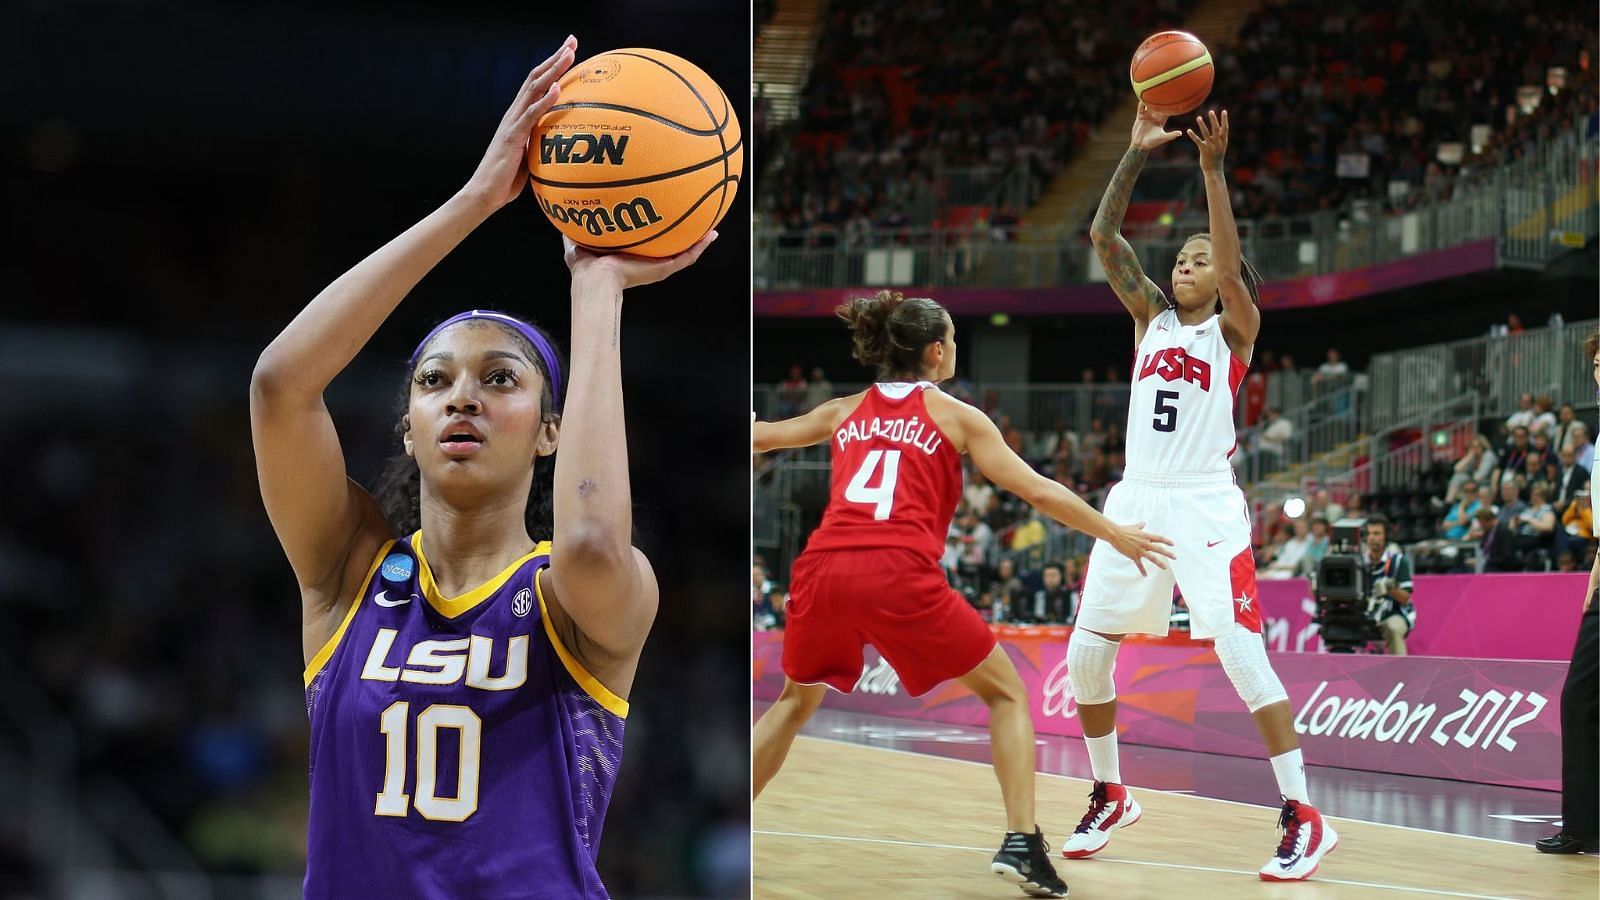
(1150, 130)
(1140, 546)
(629, 269)
(1212, 139)
(503, 173)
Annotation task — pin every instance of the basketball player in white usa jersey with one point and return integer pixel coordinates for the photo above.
(1191, 353)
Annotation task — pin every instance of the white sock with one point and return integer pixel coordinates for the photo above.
(1291, 771)
(1103, 757)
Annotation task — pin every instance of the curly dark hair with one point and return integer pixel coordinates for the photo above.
(399, 487)
(891, 331)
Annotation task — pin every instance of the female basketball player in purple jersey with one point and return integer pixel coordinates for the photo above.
(469, 653)
(1190, 354)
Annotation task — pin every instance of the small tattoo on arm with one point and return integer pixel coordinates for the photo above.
(586, 487)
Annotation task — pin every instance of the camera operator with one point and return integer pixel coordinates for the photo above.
(1391, 586)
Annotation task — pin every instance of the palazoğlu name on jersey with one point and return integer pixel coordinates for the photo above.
(911, 431)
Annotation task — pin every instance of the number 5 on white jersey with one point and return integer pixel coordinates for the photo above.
(882, 496)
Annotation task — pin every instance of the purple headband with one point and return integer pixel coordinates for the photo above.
(547, 354)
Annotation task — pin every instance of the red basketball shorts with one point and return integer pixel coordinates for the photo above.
(895, 600)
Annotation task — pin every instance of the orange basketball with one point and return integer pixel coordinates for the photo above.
(643, 153)
(1171, 72)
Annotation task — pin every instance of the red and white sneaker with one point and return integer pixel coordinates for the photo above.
(1306, 840)
(1110, 808)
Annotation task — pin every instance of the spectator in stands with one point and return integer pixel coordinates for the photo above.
(1515, 455)
(978, 491)
(1523, 417)
(1455, 525)
(1030, 533)
(1286, 561)
(1332, 373)
(1354, 505)
(1323, 507)
(1532, 471)
(1007, 592)
(1544, 421)
(1274, 546)
(1582, 446)
(1275, 434)
(1565, 419)
(792, 393)
(1536, 527)
(1570, 479)
(1539, 447)
(1391, 583)
(819, 389)
(1576, 534)
(1284, 388)
(1075, 572)
(1477, 466)
(1316, 548)
(1056, 603)
(1511, 504)
(977, 543)
(1500, 549)
(1096, 470)
(1483, 525)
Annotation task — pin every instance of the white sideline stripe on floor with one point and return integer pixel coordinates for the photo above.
(1274, 809)
(1128, 862)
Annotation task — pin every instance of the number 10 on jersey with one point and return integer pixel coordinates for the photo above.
(881, 497)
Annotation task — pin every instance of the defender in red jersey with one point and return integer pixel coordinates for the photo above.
(870, 573)
(1191, 353)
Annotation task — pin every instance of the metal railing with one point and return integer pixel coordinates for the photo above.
(1392, 456)
(1495, 369)
(1526, 204)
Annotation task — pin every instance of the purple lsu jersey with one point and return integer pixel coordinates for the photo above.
(458, 750)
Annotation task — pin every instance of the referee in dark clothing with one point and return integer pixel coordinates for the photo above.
(1580, 713)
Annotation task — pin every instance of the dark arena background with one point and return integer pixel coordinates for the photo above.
(180, 179)
(1417, 185)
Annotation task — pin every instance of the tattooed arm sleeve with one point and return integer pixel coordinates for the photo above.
(1136, 291)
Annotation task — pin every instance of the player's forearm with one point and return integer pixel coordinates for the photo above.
(593, 502)
(803, 431)
(338, 322)
(1107, 223)
(1225, 252)
(1066, 507)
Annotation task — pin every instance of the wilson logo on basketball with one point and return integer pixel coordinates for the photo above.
(597, 220)
(582, 148)
(1173, 364)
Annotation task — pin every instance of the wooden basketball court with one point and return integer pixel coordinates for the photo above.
(848, 821)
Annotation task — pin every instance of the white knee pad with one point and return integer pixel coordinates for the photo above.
(1090, 661)
(1244, 658)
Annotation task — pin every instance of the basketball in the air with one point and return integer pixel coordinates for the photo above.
(641, 153)
(1171, 72)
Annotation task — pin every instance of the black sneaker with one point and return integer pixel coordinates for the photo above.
(1024, 860)
(1562, 842)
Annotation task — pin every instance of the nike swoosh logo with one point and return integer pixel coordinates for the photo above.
(1214, 543)
(381, 600)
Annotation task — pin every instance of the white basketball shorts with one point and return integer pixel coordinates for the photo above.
(1215, 571)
